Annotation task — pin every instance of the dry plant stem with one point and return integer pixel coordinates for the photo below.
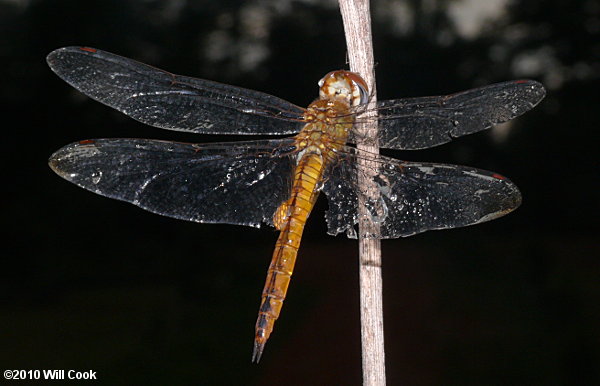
(357, 26)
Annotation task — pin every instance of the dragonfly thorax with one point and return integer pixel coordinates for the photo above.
(328, 123)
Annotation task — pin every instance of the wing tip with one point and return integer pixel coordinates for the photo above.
(56, 163)
(54, 56)
(60, 160)
(511, 201)
(534, 87)
(53, 162)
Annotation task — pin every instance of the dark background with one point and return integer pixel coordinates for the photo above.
(92, 283)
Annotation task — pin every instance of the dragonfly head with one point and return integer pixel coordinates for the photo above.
(344, 85)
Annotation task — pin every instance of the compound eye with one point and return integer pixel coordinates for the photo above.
(327, 76)
(360, 85)
(364, 93)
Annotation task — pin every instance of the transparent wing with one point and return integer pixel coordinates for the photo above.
(234, 183)
(419, 123)
(173, 102)
(415, 197)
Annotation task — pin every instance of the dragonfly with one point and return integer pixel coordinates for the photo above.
(277, 181)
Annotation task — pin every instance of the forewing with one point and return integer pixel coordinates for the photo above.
(415, 197)
(234, 183)
(419, 123)
(173, 102)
